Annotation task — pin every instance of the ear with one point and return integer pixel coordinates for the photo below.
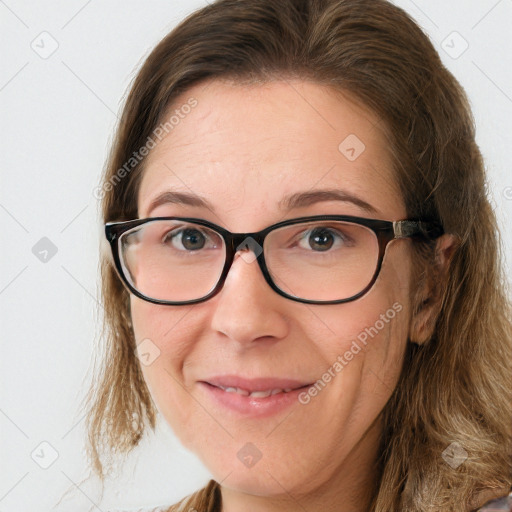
(430, 292)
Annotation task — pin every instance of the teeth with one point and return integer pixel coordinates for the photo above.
(261, 394)
(256, 394)
(236, 390)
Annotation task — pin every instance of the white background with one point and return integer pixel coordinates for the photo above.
(58, 115)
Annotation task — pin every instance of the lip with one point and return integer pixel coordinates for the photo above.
(249, 405)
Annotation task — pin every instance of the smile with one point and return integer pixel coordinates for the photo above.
(255, 394)
(253, 398)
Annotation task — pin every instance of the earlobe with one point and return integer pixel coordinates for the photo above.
(423, 323)
(430, 292)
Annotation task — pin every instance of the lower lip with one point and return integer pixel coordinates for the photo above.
(252, 406)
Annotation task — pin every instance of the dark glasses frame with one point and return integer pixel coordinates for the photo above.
(385, 231)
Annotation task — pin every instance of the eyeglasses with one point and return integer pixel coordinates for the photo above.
(323, 259)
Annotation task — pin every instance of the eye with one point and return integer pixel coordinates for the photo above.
(189, 239)
(322, 238)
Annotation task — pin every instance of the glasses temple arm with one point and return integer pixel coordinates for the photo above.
(408, 228)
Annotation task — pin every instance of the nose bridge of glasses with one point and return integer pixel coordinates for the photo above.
(250, 246)
(250, 243)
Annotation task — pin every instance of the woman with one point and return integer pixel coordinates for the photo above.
(304, 277)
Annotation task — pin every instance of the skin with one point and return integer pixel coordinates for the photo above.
(243, 147)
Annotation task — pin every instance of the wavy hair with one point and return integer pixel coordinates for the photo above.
(455, 389)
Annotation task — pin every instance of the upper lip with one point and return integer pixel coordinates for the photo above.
(258, 384)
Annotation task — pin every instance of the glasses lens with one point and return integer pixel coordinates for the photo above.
(172, 260)
(322, 260)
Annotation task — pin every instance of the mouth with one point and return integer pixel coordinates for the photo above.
(259, 387)
(256, 394)
(254, 397)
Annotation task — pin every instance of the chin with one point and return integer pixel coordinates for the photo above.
(271, 477)
(256, 481)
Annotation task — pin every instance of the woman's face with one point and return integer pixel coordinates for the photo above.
(243, 149)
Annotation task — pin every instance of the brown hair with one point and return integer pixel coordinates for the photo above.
(455, 388)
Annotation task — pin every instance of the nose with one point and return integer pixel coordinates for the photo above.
(247, 309)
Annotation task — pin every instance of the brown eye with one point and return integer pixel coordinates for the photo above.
(190, 238)
(320, 239)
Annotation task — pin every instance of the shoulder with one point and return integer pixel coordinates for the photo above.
(206, 499)
(503, 504)
(157, 509)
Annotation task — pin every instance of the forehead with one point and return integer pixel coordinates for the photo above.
(245, 147)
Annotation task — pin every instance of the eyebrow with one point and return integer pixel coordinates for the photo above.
(296, 200)
(300, 199)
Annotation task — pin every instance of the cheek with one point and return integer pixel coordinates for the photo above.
(164, 341)
(166, 326)
(365, 339)
(385, 329)
(380, 317)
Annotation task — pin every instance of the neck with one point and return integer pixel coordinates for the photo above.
(350, 488)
